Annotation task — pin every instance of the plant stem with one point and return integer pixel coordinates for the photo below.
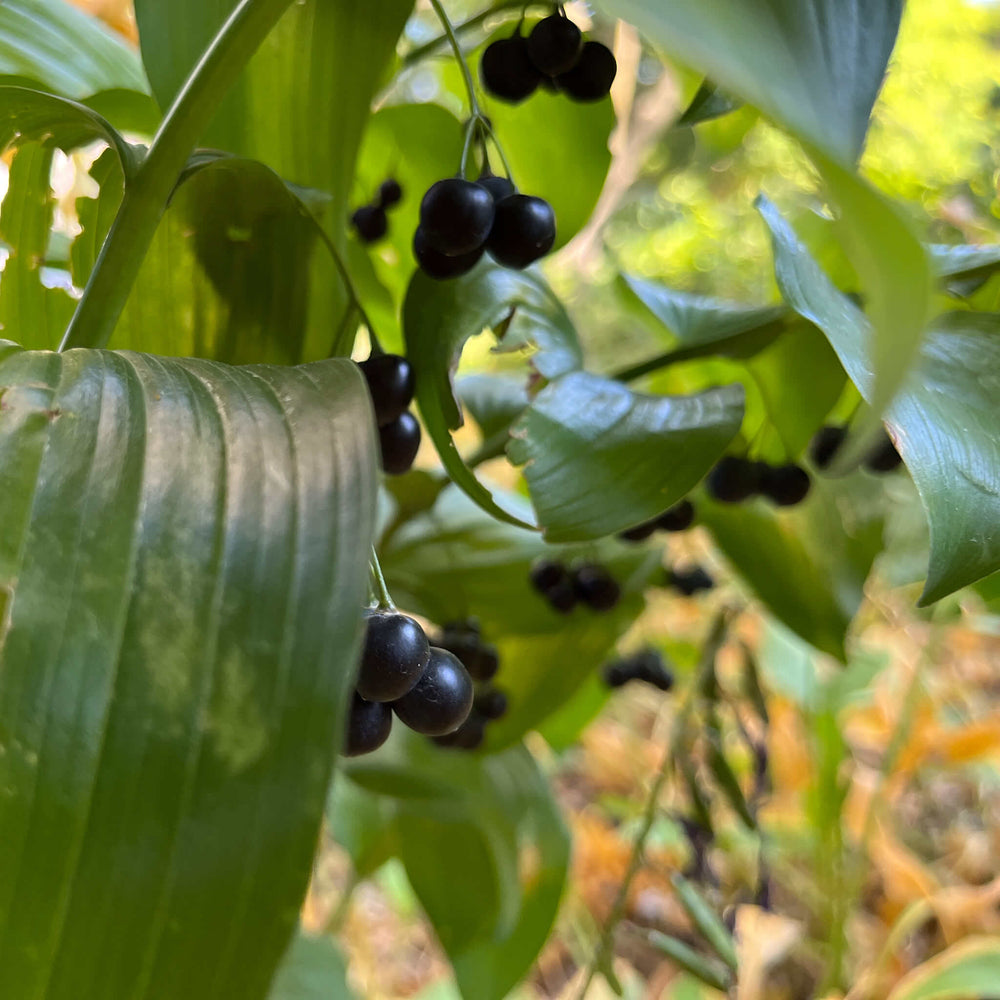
(422, 51)
(381, 590)
(146, 196)
(449, 31)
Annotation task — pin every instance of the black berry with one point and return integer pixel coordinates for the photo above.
(368, 727)
(690, 581)
(680, 517)
(546, 574)
(507, 71)
(591, 78)
(395, 655)
(389, 193)
(640, 532)
(492, 704)
(524, 229)
(370, 223)
(733, 479)
(562, 597)
(469, 735)
(649, 667)
(617, 673)
(456, 216)
(442, 698)
(884, 457)
(596, 587)
(554, 45)
(391, 384)
(499, 187)
(438, 265)
(399, 442)
(785, 485)
(825, 444)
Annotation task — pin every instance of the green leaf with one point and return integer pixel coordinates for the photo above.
(708, 103)
(29, 311)
(964, 260)
(440, 316)
(493, 401)
(704, 917)
(65, 50)
(943, 421)
(970, 968)
(636, 454)
(705, 970)
(312, 969)
(55, 121)
(95, 215)
(182, 558)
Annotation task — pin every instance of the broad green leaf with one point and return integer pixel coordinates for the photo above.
(966, 970)
(599, 457)
(95, 216)
(493, 401)
(58, 46)
(440, 316)
(709, 102)
(182, 558)
(312, 969)
(965, 260)
(944, 421)
(29, 311)
(363, 824)
(56, 121)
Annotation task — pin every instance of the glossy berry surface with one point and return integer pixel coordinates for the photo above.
(680, 517)
(825, 444)
(884, 457)
(554, 45)
(370, 223)
(456, 216)
(390, 193)
(469, 735)
(596, 587)
(507, 71)
(733, 479)
(399, 443)
(438, 265)
(785, 485)
(524, 229)
(368, 727)
(591, 78)
(395, 654)
(690, 581)
(391, 385)
(498, 187)
(442, 698)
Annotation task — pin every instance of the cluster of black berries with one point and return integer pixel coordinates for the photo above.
(461, 220)
(688, 581)
(426, 686)
(646, 666)
(680, 517)
(464, 641)
(734, 479)
(553, 55)
(391, 384)
(587, 583)
(824, 446)
(370, 221)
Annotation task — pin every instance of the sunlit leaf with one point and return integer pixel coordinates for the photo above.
(312, 969)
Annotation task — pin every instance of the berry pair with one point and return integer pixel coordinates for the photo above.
(588, 583)
(734, 480)
(828, 440)
(402, 673)
(370, 222)
(489, 704)
(646, 666)
(391, 385)
(680, 517)
(461, 220)
(689, 581)
(553, 55)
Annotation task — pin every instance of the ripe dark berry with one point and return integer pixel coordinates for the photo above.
(546, 574)
(524, 229)
(785, 485)
(391, 384)
(640, 532)
(680, 517)
(733, 479)
(825, 444)
(617, 673)
(591, 78)
(485, 663)
(507, 71)
(395, 655)
(690, 581)
(389, 193)
(884, 457)
(368, 727)
(499, 187)
(399, 443)
(554, 45)
(649, 667)
(596, 587)
(469, 735)
(442, 698)
(492, 704)
(370, 223)
(456, 216)
(438, 265)
(562, 597)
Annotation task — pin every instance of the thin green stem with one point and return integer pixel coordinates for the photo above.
(381, 589)
(449, 31)
(429, 48)
(146, 196)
